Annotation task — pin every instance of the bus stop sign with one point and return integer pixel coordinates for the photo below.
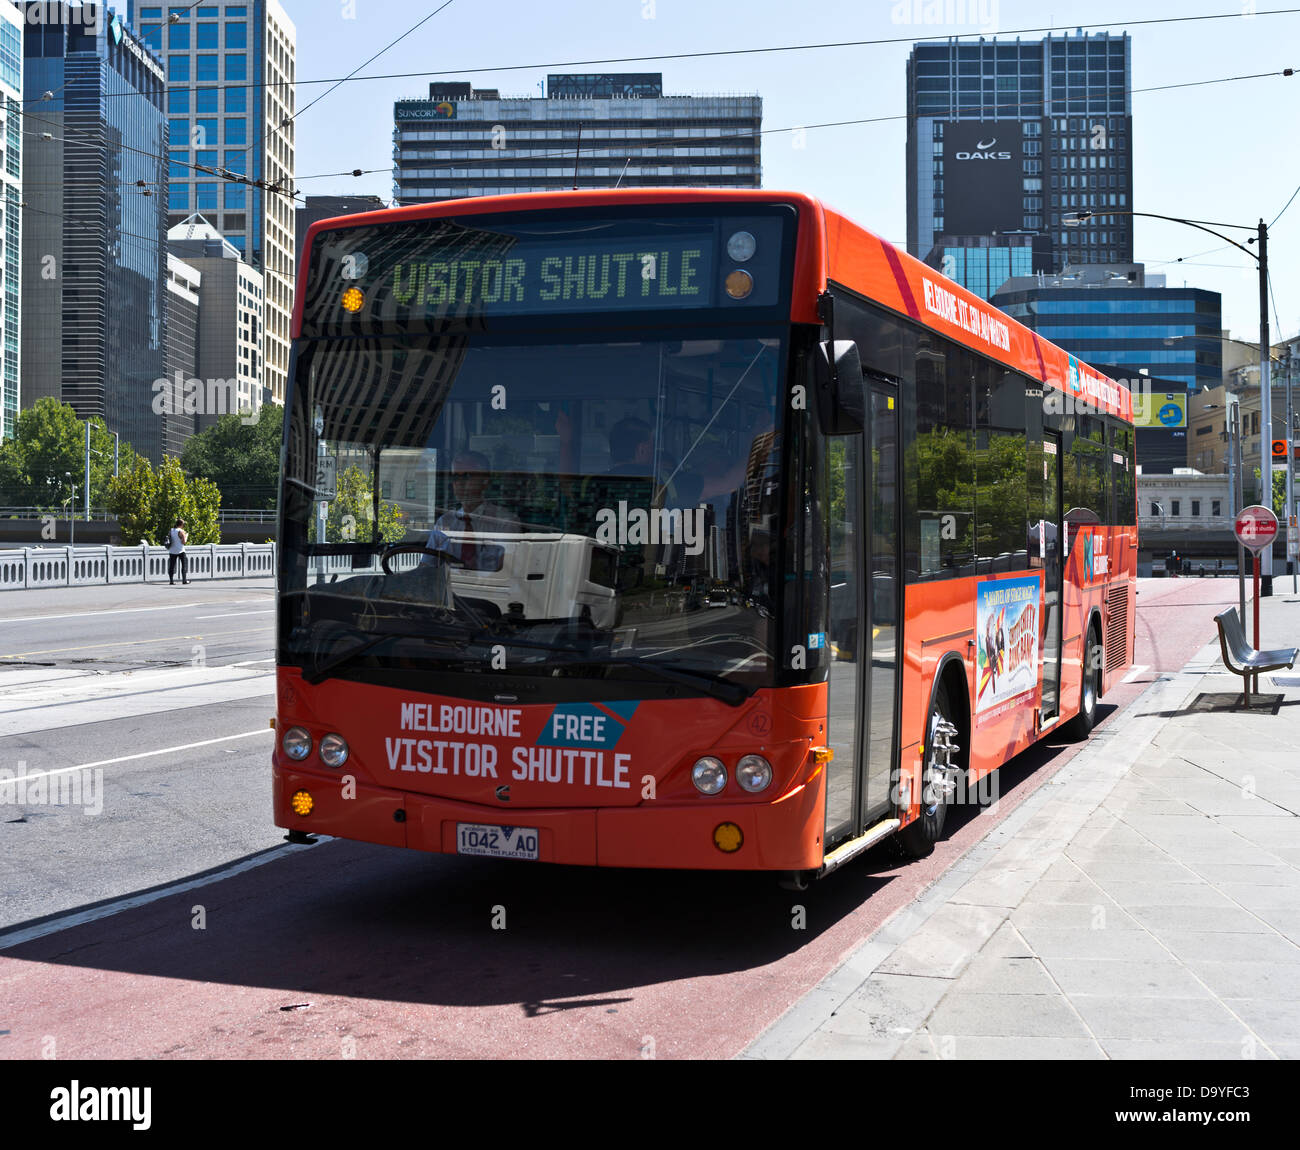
(1255, 528)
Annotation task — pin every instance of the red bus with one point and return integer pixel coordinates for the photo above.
(677, 528)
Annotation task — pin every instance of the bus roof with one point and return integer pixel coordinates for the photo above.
(830, 249)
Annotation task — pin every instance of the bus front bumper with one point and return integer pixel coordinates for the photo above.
(782, 835)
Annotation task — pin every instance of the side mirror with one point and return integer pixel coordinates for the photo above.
(841, 396)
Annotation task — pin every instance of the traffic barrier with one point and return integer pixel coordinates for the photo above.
(89, 566)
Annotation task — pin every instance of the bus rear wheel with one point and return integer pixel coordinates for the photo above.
(1089, 689)
(939, 780)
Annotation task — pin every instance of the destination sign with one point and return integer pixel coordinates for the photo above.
(674, 273)
(406, 275)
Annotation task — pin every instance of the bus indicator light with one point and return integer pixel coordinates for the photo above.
(728, 838)
(302, 803)
(353, 300)
(739, 284)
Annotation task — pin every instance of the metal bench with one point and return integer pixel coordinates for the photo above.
(1248, 662)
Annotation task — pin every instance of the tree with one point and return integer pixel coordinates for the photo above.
(49, 444)
(242, 459)
(351, 513)
(147, 504)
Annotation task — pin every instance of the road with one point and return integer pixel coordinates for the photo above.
(344, 949)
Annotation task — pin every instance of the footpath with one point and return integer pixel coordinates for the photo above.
(1145, 903)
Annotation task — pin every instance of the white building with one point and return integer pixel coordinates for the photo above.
(231, 320)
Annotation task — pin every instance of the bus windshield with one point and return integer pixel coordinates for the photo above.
(533, 507)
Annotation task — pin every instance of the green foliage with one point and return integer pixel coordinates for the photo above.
(147, 504)
(131, 499)
(49, 443)
(242, 459)
(351, 513)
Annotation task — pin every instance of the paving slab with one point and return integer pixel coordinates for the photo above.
(1144, 904)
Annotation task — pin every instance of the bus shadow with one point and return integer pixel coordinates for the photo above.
(352, 919)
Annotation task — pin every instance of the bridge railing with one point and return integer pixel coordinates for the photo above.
(27, 567)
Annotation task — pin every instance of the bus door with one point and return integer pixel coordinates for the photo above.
(1052, 534)
(864, 631)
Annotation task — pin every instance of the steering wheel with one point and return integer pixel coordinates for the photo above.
(415, 549)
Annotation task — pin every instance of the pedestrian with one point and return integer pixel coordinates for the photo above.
(176, 540)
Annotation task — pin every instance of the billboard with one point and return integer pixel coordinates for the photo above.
(982, 173)
(1163, 410)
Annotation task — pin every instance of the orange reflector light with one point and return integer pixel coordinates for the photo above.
(353, 300)
(739, 284)
(822, 754)
(728, 837)
(302, 803)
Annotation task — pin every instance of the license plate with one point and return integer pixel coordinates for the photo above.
(496, 842)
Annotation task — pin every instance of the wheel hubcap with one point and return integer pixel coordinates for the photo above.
(940, 773)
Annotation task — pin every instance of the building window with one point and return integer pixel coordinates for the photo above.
(205, 100)
(178, 37)
(178, 100)
(236, 35)
(1196, 506)
(236, 99)
(236, 131)
(1174, 507)
(207, 70)
(1216, 508)
(178, 198)
(208, 36)
(178, 69)
(237, 66)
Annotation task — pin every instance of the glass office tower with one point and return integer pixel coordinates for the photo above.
(94, 253)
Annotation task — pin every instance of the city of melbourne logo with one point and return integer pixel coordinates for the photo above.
(1087, 558)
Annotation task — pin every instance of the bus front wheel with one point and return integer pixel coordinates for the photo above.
(939, 781)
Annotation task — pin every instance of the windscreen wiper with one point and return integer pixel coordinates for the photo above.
(733, 694)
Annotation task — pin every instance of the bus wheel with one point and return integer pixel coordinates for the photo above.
(1090, 689)
(938, 783)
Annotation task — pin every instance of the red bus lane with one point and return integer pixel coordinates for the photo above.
(349, 950)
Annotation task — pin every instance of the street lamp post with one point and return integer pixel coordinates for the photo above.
(72, 510)
(1074, 219)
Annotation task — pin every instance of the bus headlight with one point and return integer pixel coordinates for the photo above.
(333, 750)
(754, 773)
(709, 775)
(296, 743)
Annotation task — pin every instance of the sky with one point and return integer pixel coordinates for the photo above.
(1220, 152)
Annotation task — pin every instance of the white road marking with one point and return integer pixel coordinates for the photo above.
(145, 754)
(1135, 672)
(81, 917)
(118, 611)
(237, 614)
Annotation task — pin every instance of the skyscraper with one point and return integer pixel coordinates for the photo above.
(588, 131)
(94, 267)
(230, 74)
(1164, 341)
(11, 184)
(1005, 139)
